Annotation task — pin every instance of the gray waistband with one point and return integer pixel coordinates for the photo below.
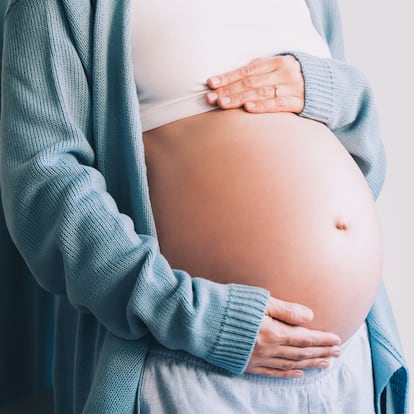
(348, 348)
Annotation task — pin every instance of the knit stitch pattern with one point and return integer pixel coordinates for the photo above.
(76, 199)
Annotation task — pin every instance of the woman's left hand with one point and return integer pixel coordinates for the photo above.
(273, 84)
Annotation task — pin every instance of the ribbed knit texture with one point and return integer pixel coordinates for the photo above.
(76, 199)
(337, 95)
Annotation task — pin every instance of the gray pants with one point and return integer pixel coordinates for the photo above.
(177, 382)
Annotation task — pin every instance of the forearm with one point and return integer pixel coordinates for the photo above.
(68, 226)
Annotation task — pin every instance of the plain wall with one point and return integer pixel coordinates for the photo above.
(378, 39)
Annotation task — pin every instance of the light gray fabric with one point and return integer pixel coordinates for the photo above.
(176, 383)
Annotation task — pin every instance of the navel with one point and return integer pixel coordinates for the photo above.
(341, 225)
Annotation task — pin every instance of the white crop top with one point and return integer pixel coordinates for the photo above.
(178, 44)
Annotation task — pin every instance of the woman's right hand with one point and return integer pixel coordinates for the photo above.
(284, 349)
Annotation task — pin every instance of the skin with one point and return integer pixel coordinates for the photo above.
(253, 86)
(315, 238)
(283, 348)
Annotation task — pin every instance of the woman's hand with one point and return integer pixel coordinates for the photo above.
(273, 84)
(284, 349)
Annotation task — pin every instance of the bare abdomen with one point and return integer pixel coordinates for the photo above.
(270, 200)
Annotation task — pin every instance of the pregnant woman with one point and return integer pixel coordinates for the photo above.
(272, 200)
(250, 196)
(166, 205)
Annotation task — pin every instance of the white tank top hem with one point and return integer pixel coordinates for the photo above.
(178, 45)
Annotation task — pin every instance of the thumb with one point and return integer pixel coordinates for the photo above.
(288, 312)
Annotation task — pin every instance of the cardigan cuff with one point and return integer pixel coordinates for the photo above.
(320, 87)
(241, 323)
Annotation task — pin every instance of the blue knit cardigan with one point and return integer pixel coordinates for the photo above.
(76, 202)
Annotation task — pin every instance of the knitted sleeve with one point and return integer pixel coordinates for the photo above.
(339, 95)
(68, 227)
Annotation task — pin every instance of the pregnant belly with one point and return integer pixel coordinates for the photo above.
(270, 200)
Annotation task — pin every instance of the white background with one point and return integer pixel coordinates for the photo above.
(379, 39)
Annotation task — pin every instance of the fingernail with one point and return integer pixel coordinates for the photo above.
(298, 374)
(306, 313)
(215, 80)
(250, 105)
(336, 352)
(212, 97)
(324, 364)
(338, 340)
(225, 100)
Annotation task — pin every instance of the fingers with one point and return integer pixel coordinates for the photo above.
(280, 320)
(280, 104)
(288, 312)
(302, 337)
(284, 350)
(257, 87)
(235, 99)
(260, 100)
(273, 84)
(256, 82)
(256, 67)
(276, 338)
(290, 361)
(272, 372)
(278, 367)
(299, 355)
